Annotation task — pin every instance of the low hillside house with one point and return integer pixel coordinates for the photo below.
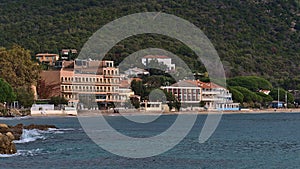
(266, 92)
(47, 58)
(136, 72)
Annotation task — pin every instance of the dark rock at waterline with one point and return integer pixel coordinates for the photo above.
(10, 133)
(15, 130)
(39, 127)
(18, 129)
(6, 143)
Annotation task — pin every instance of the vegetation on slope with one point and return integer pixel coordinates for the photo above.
(258, 38)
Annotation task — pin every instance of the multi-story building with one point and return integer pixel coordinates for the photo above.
(47, 58)
(186, 91)
(94, 83)
(213, 96)
(217, 97)
(160, 59)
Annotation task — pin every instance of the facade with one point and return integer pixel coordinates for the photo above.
(94, 84)
(68, 54)
(135, 72)
(213, 96)
(186, 91)
(152, 106)
(161, 59)
(216, 97)
(47, 58)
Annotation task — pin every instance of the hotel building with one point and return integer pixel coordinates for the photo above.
(94, 83)
(213, 96)
(186, 91)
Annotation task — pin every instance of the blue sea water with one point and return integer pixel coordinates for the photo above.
(240, 141)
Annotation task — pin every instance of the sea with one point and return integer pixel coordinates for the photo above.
(240, 141)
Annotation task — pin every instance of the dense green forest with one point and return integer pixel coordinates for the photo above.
(260, 38)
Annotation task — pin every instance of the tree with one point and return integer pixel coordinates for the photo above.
(266, 98)
(56, 100)
(282, 92)
(138, 87)
(6, 92)
(172, 101)
(252, 83)
(17, 68)
(236, 95)
(249, 96)
(25, 96)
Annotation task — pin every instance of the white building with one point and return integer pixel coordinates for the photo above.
(136, 72)
(161, 59)
(186, 91)
(192, 92)
(216, 97)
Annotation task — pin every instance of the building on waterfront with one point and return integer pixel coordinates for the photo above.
(211, 95)
(186, 91)
(94, 84)
(152, 106)
(47, 58)
(160, 59)
(216, 97)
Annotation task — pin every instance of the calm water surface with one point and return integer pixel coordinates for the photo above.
(240, 141)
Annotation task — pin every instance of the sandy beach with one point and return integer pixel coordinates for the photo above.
(136, 112)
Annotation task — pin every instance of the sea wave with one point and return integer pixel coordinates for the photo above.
(15, 118)
(30, 135)
(33, 152)
(35, 134)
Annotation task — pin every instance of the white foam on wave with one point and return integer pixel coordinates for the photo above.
(63, 129)
(14, 118)
(8, 155)
(23, 153)
(35, 134)
(30, 135)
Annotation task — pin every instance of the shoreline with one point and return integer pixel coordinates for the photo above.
(87, 113)
(153, 113)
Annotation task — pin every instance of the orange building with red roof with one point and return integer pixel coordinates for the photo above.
(81, 79)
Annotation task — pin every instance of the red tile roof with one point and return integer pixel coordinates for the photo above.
(209, 85)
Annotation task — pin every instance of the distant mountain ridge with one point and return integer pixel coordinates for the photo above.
(252, 37)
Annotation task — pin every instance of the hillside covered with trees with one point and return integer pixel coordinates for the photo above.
(260, 38)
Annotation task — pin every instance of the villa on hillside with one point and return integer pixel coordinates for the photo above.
(160, 59)
(135, 72)
(47, 58)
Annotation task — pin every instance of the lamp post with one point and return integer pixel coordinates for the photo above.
(278, 99)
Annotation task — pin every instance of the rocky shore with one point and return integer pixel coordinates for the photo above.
(10, 133)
